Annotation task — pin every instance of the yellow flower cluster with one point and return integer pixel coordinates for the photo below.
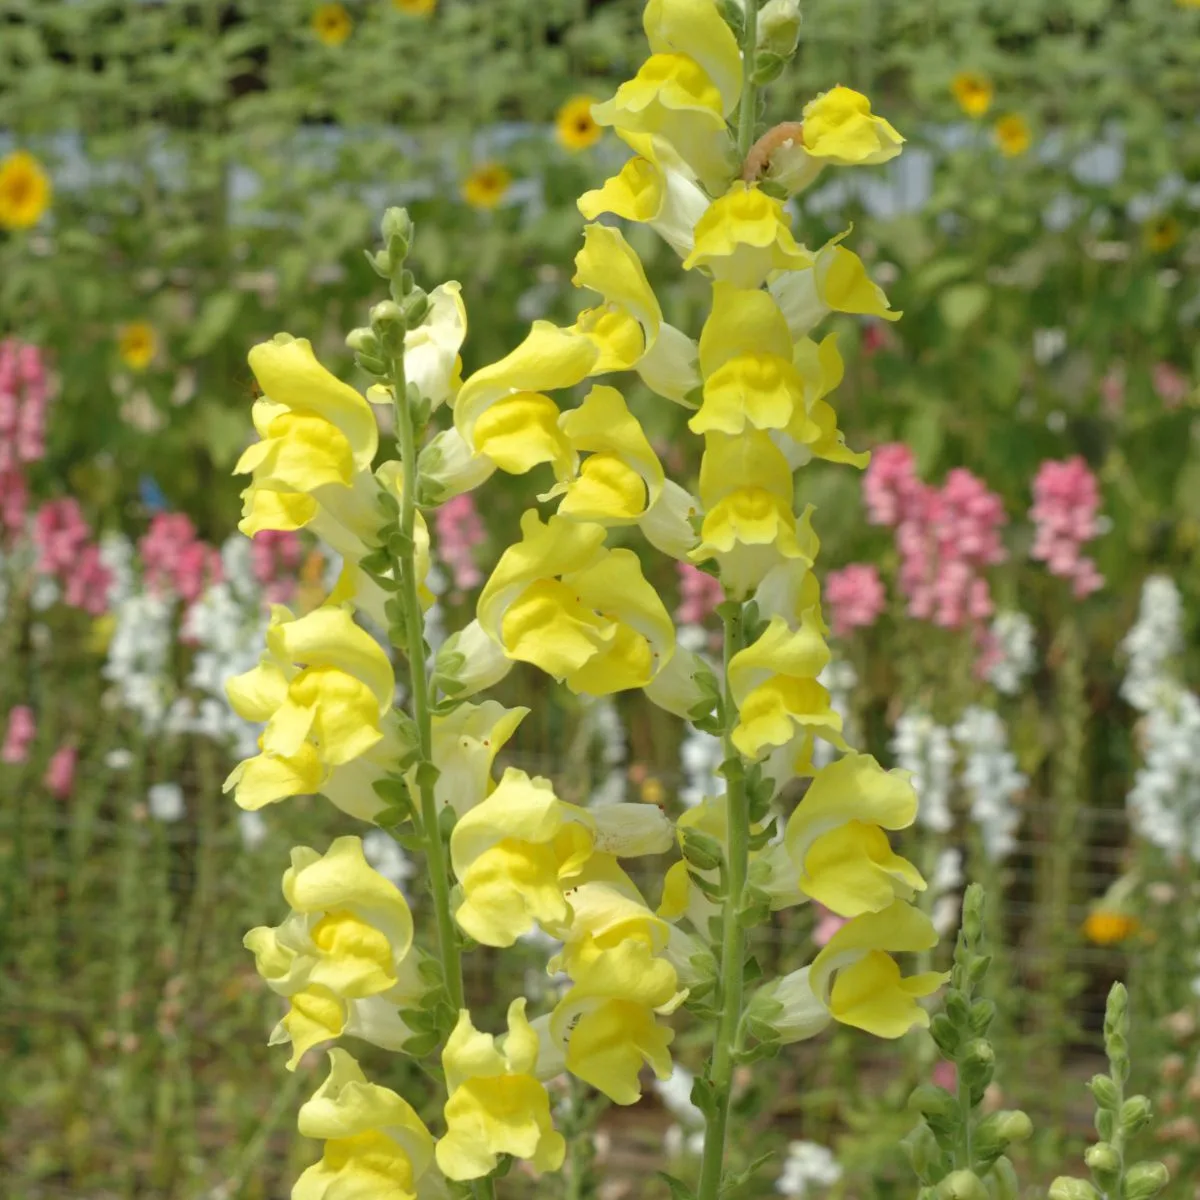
(507, 856)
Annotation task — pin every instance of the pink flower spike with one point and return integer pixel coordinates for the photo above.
(856, 597)
(59, 779)
(1066, 500)
(19, 735)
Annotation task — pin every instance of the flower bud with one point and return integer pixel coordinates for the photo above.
(396, 223)
(1005, 1127)
(1144, 1180)
(779, 27)
(1104, 1162)
(934, 1102)
(1135, 1114)
(1066, 1188)
(630, 830)
(962, 1185)
(790, 1007)
(702, 851)
(388, 324)
(977, 1064)
(1104, 1091)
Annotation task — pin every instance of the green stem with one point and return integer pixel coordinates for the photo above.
(965, 1153)
(439, 880)
(748, 105)
(733, 936)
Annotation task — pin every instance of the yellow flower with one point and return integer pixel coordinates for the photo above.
(749, 526)
(840, 128)
(856, 981)
(1105, 928)
(375, 1144)
(137, 343)
(465, 744)
(744, 237)
(973, 92)
(575, 126)
(774, 683)
(416, 8)
(836, 837)
(513, 855)
(1161, 233)
(25, 191)
(487, 185)
(332, 25)
(342, 955)
(1013, 135)
(582, 613)
(496, 1104)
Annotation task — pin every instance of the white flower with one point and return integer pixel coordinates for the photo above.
(383, 852)
(1014, 659)
(676, 1093)
(119, 759)
(253, 829)
(990, 779)
(1154, 644)
(808, 1166)
(924, 748)
(699, 757)
(166, 802)
(1164, 802)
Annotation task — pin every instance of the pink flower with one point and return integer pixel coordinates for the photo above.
(1066, 498)
(890, 486)
(459, 533)
(828, 923)
(60, 772)
(18, 737)
(699, 595)
(66, 553)
(945, 1075)
(23, 396)
(175, 560)
(1170, 384)
(856, 596)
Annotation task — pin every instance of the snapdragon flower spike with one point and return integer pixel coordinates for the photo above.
(375, 1144)
(465, 744)
(342, 956)
(324, 691)
(496, 1105)
(837, 841)
(582, 613)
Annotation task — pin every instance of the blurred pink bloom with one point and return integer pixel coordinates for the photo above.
(699, 595)
(1170, 384)
(877, 336)
(945, 1074)
(459, 532)
(1066, 498)
(856, 597)
(23, 396)
(13, 499)
(60, 772)
(18, 737)
(275, 558)
(176, 560)
(66, 553)
(945, 537)
(828, 924)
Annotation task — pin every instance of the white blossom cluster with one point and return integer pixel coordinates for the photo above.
(386, 855)
(1164, 803)
(139, 656)
(990, 779)
(700, 755)
(808, 1167)
(944, 887)
(1153, 644)
(1013, 658)
(686, 1135)
(925, 749)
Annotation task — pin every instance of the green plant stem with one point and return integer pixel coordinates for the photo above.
(733, 935)
(439, 881)
(748, 105)
(964, 1154)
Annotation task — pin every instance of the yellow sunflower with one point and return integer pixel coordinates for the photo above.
(1013, 135)
(1104, 928)
(1161, 233)
(332, 24)
(137, 344)
(574, 124)
(415, 8)
(24, 191)
(487, 185)
(973, 92)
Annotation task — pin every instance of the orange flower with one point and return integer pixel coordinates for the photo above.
(1105, 928)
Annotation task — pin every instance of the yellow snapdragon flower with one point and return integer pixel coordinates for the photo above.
(774, 683)
(973, 91)
(855, 980)
(486, 186)
(1013, 135)
(342, 955)
(375, 1144)
(431, 351)
(465, 744)
(514, 854)
(749, 526)
(575, 127)
(496, 1104)
(582, 613)
(840, 128)
(332, 24)
(836, 840)
(744, 237)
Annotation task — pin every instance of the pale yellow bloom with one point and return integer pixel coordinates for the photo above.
(1013, 135)
(973, 92)
(840, 128)
(25, 191)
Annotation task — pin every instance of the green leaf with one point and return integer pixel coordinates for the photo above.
(217, 315)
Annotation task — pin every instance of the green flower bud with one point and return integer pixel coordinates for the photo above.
(396, 223)
(943, 1032)
(977, 1063)
(1066, 1188)
(981, 1016)
(1104, 1091)
(972, 914)
(923, 1153)
(962, 1185)
(702, 851)
(363, 341)
(1104, 1163)
(1007, 1126)
(1144, 1180)
(415, 307)
(933, 1101)
(779, 27)
(388, 324)
(1135, 1114)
